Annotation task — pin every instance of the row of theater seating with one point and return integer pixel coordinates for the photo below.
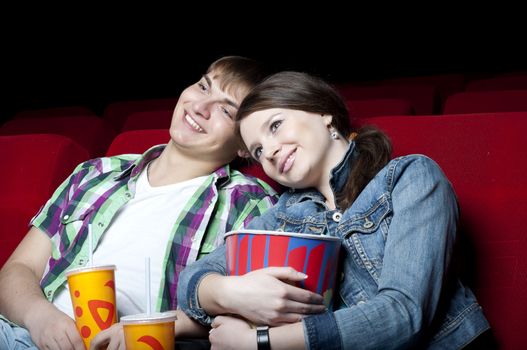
(483, 155)
(95, 133)
(422, 95)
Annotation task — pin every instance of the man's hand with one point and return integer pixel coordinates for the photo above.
(50, 328)
(112, 337)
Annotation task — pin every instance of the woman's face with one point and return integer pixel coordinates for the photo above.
(293, 146)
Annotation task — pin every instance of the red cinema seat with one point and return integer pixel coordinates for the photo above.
(498, 83)
(138, 141)
(55, 112)
(34, 166)
(445, 84)
(379, 107)
(117, 112)
(424, 98)
(91, 132)
(484, 156)
(486, 101)
(148, 120)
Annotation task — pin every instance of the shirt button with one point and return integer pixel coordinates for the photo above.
(66, 217)
(100, 224)
(361, 302)
(49, 293)
(337, 216)
(81, 261)
(127, 194)
(367, 224)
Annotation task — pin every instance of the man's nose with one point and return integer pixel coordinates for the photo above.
(203, 107)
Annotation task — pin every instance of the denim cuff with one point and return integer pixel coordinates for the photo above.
(321, 332)
(194, 310)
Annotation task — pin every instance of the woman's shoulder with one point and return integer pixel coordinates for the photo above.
(413, 166)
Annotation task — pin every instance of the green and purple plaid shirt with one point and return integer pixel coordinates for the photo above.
(98, 188)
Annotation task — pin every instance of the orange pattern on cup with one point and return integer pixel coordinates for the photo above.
(92, 293)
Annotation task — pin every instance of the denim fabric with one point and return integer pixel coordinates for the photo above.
(398, 286)
(13, 337)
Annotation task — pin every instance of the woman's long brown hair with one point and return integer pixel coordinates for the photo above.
(301, 91)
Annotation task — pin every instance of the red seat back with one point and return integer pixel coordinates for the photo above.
(379, 107)
(34, 166)
(484, 156)
(486, 102)
(148, 120)
(91, 132)
(117, 112)
(54, 112)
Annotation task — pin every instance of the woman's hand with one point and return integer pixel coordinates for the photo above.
(231, 333)
(265, 296)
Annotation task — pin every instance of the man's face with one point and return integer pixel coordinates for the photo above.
(202, 122)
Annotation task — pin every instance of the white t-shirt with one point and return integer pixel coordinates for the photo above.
(140, 229)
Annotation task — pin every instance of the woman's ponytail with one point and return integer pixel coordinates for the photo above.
(374, 152)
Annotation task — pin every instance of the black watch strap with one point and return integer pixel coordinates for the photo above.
(262, 338)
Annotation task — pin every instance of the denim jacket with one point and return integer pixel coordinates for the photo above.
(398, 287)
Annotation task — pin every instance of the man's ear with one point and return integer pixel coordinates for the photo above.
(243, 153)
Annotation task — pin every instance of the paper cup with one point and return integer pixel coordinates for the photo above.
(147, 332)
(314, 255)
(92, 291)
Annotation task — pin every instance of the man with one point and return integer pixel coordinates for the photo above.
(172, 204)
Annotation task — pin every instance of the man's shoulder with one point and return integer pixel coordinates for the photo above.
(238, 179)
(108, 164)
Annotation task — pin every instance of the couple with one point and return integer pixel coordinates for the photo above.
(397, 290)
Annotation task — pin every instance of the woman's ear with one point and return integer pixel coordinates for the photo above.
(243, 153)
(327, 119)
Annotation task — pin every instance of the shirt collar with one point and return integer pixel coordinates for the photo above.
(221, 175)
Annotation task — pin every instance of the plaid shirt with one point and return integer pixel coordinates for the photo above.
(98, 188)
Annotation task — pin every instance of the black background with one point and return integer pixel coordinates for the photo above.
(97, 56)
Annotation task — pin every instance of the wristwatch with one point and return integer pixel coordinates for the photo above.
(262, 338)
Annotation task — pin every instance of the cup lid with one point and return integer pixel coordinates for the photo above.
(282, 233)
(89, 269)
(154, 317)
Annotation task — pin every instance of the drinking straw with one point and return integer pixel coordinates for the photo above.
(147, 286)
(90, 245)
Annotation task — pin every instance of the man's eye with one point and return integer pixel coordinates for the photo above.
(202, 86)
(226, 112)
(274, 125)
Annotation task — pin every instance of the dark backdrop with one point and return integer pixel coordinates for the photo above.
(51, 66)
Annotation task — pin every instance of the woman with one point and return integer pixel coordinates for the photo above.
(397, 220)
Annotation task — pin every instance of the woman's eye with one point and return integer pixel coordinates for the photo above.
(257, 153)
(274, 125)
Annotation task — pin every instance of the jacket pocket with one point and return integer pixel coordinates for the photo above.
(364, 235)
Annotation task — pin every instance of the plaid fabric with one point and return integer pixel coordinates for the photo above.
(98, 188)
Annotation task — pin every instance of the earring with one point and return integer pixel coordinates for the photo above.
(334, 135)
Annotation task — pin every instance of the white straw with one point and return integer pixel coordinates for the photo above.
(147, 286)
(90, 245)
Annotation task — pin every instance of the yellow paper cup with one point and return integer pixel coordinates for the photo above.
(147, 332)
(92, 291)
